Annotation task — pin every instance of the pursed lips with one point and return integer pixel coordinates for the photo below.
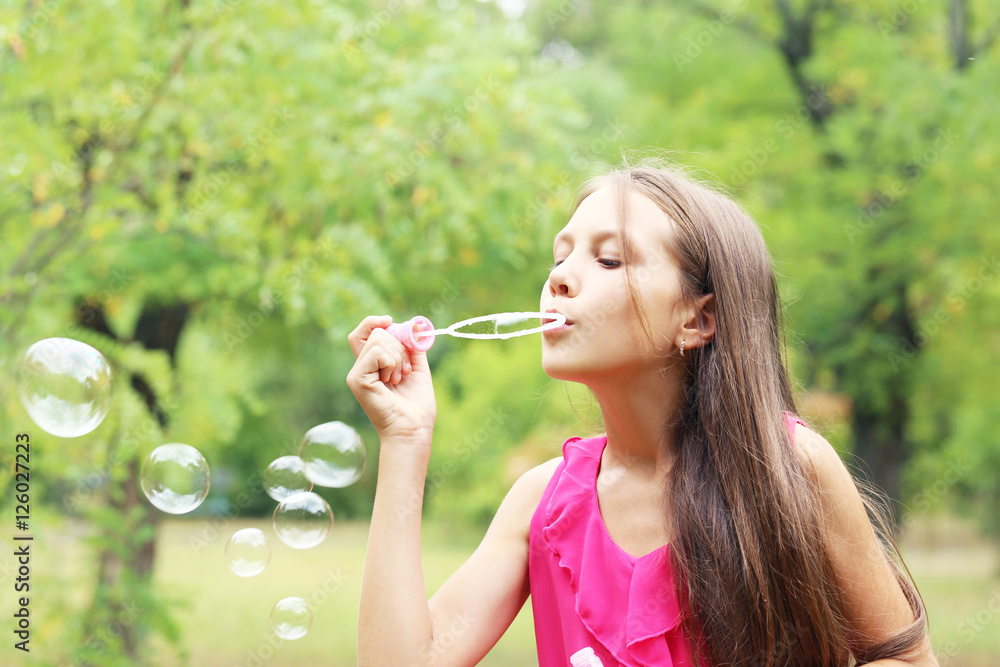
(553, 310)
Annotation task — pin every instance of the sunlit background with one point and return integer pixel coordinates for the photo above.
(213, 193)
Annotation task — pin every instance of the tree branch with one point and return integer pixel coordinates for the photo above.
(749, 28)
(989, 37)
(85, 154)
(815, 7)
(175, 67)
(75, 219)
(796, 46)
(958, 33)
(785, 11)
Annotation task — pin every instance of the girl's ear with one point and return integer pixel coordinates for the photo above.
(700, 329)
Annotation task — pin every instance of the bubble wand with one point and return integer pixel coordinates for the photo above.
(418, 333)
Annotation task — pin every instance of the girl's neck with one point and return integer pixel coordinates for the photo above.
(635, 412)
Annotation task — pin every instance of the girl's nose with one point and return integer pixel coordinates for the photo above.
(560, 282)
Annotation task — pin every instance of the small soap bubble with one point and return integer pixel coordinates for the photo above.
(286, 476)
(303, 520)
(65, 386)
(175, 478)
(248, 552)
(291, 618)
(334, 455)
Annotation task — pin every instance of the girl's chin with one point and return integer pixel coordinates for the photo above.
(565, 372)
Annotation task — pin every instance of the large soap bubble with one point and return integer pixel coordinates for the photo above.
(175, 478)
(303, 520)
(248, 552)
(285, 476)
(65, 386)
(291, 618)
(334, 455)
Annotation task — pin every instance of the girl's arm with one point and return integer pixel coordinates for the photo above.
(472, 610)
(875, 604)
(397, 625)
(477, 604)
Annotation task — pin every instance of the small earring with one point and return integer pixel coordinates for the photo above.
(682, 348)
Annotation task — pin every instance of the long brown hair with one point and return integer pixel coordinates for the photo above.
(748, 549)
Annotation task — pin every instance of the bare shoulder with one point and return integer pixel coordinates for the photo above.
(820, 458)
(538, 477)
(514, 515)
(838, 493)
(846, 518)
(527, 491)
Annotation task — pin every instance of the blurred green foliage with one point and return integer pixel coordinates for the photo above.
(284, 169)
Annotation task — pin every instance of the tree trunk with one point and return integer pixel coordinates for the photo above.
(796, 47)
(881, 446)
(958, 32)
(880, 427)
(158, 328)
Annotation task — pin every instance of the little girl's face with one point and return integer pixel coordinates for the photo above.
(587, 284)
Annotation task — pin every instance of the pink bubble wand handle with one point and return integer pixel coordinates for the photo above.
(406, 333)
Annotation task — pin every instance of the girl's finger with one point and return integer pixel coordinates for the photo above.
(357, 338)
(418, 361)
(386, 366)
(388, 354)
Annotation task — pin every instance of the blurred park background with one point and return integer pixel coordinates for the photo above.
(215, 192)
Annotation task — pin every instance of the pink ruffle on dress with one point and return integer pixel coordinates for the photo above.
(590, 598)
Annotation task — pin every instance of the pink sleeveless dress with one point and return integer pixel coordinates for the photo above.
(591, 600)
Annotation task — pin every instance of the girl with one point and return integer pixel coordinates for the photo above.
(708, 525)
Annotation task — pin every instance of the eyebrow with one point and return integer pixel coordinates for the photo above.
(598, 237)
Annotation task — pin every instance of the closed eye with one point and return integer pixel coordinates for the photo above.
(606, 263)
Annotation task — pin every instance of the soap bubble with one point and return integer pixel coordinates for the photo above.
(334, 455)
(284, 476)
(508, 323)
(175, 478)
(248, 552)
(291, 618)
(65, 386)
(303, 520)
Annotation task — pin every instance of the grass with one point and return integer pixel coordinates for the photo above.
(958, 575)
(225, 619)
(328, 575)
